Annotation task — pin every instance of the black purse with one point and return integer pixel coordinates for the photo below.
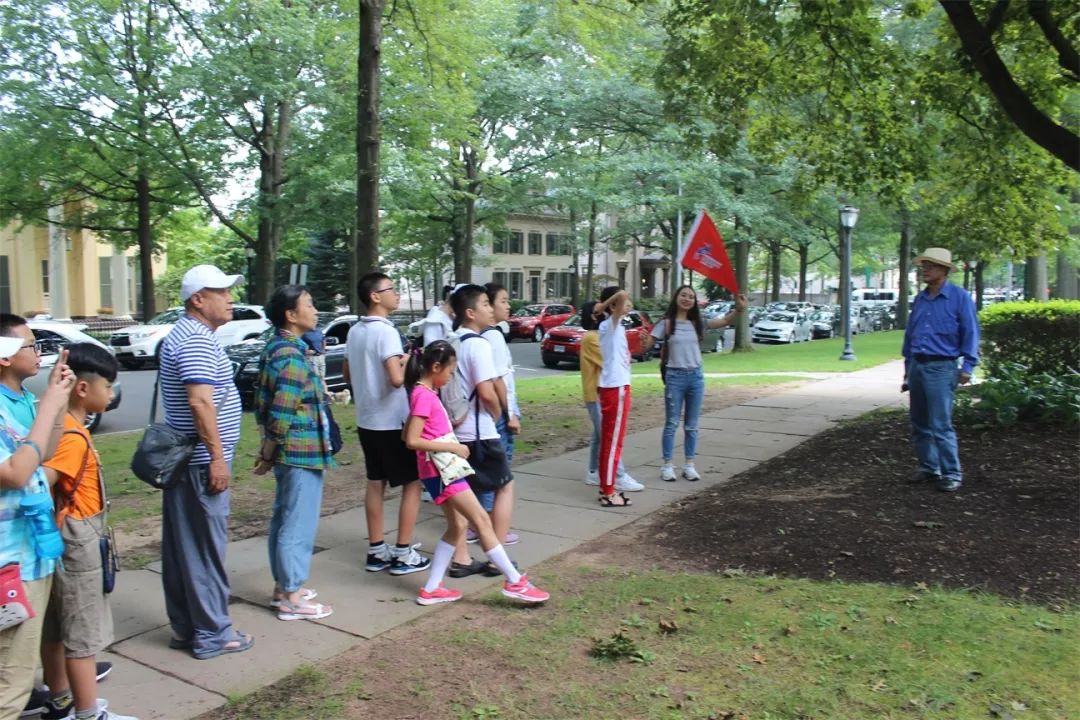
(664, 350)
(336, 443)
(163, 451)
(110, 562)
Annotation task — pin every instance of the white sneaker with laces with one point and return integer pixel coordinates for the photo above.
(107, 714)
(667, 473)
(690, 473)
(625, 483)
(592, 478)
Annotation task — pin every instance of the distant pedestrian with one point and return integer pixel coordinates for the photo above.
(200, 398)
(439, 322)
(682, 329)
(290, 410)
(943, 328)
(613, 389)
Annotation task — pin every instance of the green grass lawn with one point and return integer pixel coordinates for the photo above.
(816, 356)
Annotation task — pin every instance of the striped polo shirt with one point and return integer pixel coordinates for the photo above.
(190, 354)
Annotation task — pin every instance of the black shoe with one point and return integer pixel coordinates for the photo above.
(53, 711)
(36, 704)
(492, 570)
(922, 476)
(103, 669)
(460, 570)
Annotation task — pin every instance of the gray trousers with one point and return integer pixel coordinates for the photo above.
(194, 533)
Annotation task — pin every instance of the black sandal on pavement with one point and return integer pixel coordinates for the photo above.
(609, 500)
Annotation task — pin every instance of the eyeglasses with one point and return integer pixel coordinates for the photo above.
(36, 346)
(387, 289)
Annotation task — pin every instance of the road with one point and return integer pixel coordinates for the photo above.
(138, 386)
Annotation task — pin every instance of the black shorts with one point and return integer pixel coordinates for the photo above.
(386, 457)
(488, 460)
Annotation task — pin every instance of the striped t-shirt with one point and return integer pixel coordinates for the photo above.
(190, 354)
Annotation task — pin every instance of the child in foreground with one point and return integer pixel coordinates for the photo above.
(429, 433)
(613, 389)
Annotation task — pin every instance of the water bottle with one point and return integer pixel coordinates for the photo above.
(38, 511)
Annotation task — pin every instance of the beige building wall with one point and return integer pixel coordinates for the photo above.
(25, 277)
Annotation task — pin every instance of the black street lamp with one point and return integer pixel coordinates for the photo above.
(848, 217)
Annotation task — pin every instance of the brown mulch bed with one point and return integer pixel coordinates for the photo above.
(839, 507)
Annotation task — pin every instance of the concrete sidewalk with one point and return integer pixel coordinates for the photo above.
(554, 512)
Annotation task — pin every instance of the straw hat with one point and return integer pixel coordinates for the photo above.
(938, 256)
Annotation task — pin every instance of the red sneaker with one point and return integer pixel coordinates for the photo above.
(525, 591)
(441, 594)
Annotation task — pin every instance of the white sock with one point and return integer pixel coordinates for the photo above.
(498, 556)
(444, 553)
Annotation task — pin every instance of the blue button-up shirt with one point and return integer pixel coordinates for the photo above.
(945, 324)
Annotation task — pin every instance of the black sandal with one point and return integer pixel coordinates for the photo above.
(606, 501)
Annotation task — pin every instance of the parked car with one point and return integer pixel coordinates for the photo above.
(53, 336)
(563, 343)
(821, 324)
(138, 344)
(753, 314)
(245, 356)
(786, 327)
(532, 321)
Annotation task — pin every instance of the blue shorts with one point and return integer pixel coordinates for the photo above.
(487, 499)
(440, 494)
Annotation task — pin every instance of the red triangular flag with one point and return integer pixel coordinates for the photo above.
(705, 253)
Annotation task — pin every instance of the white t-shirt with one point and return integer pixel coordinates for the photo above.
(616, 369)
(476, 363)
(437, 326)
(504, 366)
(379, 405)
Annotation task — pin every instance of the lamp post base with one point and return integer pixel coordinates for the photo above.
(848, 354)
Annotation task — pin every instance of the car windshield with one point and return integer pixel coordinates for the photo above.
(529, 311)
(166, 318)
(824, 316)
(574, 321)
(781, 317)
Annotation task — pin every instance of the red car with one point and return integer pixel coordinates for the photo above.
(532, 321)
(563, 343)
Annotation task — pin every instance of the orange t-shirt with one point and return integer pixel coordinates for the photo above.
(67, 461)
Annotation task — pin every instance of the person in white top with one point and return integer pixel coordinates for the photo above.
(439, 322)
(613, 389)
(375, 369)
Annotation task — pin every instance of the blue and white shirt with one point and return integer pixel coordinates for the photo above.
(16, 543)
(190, 355)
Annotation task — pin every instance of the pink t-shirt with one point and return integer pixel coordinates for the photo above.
(425, 403)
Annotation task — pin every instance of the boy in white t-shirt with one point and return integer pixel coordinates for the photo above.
(375, 369)
(476, 369)
(613, 389)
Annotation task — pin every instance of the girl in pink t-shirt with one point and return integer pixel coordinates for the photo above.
(440, 459)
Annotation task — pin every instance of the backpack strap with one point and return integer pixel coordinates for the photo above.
(70, 499)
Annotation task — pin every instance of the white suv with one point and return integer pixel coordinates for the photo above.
(136, 345)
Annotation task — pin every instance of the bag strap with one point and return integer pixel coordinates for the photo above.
(70, 499)
(668, 332)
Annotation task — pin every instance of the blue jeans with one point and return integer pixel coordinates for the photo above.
(594, 446)
(685, 387)
(932, 385)
(293, 524)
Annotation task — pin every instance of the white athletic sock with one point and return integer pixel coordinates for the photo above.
(498, 556)
(444, 553)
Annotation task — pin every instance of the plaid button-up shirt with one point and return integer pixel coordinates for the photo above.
(289, 404)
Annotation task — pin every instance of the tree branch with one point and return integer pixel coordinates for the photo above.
(1068, 58)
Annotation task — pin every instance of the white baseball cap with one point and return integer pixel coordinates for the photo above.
(9, 346)
(206, 276)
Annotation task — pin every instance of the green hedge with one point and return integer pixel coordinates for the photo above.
(1043, 337)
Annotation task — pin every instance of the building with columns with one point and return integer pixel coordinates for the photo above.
(67, 273)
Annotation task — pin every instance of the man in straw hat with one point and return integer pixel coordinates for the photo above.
(942, 328)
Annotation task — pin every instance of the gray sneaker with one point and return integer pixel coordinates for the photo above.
(949, 485)
(923, 476)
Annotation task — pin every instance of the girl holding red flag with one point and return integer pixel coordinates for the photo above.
(684, 379)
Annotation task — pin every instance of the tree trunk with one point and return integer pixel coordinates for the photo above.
(980, 285)
(574, 284)
(774, 261)
(367, 137)
(905, 267)
(967, 276)
(1066, 285)
(146, 245)
(742, 279)
(804, 262)
(978, 45)
(1035, 278)
(592, 250)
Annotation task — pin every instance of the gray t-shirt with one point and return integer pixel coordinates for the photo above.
(683, 349)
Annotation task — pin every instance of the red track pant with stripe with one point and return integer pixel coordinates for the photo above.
(614, 410)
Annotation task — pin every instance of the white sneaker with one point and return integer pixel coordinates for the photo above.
(592, 478)
(690, 473)
(625, 483)
(110, 715)
(667, 473)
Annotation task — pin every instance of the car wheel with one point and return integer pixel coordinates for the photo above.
(538, 333)
(92, 421)
(550, 362)
(132, 363)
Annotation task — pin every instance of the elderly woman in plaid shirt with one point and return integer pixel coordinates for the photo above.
(290, 410)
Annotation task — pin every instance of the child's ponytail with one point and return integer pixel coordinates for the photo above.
(422, 361)
(413, 369)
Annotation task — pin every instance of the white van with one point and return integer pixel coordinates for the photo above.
(874, 296)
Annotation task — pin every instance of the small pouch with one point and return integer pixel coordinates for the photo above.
(110, 562)
(14, 607)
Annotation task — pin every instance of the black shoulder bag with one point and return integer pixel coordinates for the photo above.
(668, 330)
(163, 450)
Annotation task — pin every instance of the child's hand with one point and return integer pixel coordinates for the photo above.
(461, 451)
(513, 424)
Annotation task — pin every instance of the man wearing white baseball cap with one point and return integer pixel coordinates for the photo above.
(200, 398)
(943, 328)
